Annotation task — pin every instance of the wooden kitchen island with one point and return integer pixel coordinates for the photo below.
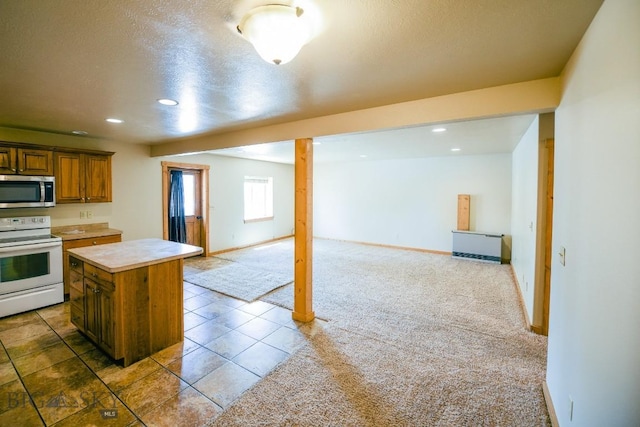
(127, 297)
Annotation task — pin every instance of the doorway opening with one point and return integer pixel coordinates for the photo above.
(196, 202)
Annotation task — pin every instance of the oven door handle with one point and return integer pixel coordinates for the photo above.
(30, 247)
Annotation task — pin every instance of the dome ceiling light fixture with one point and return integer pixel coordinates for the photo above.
(276, 31)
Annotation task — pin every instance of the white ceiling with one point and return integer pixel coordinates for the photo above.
(67, 65)
(488, 136)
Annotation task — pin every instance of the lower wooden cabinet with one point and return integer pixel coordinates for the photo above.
(130, 314)
(92, 304)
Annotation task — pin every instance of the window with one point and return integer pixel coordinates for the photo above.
(258, 198)
(189, 185)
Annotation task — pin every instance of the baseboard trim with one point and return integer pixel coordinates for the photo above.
(523, 306)
(381, 245)
(549, 403)
(222, 251)
(406, 248)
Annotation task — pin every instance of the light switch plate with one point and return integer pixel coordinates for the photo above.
(562, 254)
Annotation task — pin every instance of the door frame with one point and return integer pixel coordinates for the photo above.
(204, 201)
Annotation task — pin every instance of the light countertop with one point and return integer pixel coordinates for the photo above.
(84, 231)
(116, 257)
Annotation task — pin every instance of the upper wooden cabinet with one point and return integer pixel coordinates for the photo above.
(82, 177)
(25, 161)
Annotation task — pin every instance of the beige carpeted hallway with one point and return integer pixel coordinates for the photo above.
(411, 339)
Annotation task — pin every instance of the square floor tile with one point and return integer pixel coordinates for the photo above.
(260, 358)
(23, 347)
(213, 310)
(171, 353)
(196, 302)
(14, 396)
(78, 342)
(191, 320)
(118, 378)
(258, 328)
(207, 332)
(196, 364)
(256, 308)
(43, 359)
(226, 384)
(151, 391)
(187, 408)
(20, 320)
(231, 302)
(16, 409)
(231, 344)
(285, 339)
(279, 315)
(98, 361)
(234, 318)
(31, 329)
(105, 410)
(62, 389)
(7, 373)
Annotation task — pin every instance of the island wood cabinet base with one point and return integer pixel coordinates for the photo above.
(129, 314)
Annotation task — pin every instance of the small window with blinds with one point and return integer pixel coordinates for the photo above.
(258, 198)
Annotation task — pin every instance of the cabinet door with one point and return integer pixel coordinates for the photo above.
(69, 178)
(106, 318)
(91, 310)
(35, 162)
(8, 160)
(97, 178)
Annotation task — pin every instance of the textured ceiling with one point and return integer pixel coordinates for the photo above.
(67, 65)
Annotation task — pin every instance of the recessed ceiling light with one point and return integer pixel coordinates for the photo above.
(79, 132)
(316, 143)
(363, 155)
(437, 130)
(167, 101)
(455, 149)
(112, 120)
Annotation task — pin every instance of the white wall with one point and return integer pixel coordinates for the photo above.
(524, 205)
(226, 225)
(137, 193)
(594, 335)
(411, 202)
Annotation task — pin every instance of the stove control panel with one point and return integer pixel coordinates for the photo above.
(25, 223)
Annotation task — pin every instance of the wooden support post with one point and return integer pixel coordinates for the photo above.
(303, 298)
(463, 212)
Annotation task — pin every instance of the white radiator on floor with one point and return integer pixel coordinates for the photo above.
(485, 247)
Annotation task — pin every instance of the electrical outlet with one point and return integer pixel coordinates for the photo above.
(89, 214)
(526, 286)
(83, 214)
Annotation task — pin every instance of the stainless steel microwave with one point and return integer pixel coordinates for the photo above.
(21, 191)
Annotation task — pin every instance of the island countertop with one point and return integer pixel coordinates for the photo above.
(121, 256)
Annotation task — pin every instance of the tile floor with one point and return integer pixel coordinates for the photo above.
(51, 375)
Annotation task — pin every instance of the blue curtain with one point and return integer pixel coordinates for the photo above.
(177, 226)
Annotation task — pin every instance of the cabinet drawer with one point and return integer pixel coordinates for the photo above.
(98, 275)
(81, 243)
(75, 265)
(77, 317)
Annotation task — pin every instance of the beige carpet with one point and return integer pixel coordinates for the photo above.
(412, 339)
